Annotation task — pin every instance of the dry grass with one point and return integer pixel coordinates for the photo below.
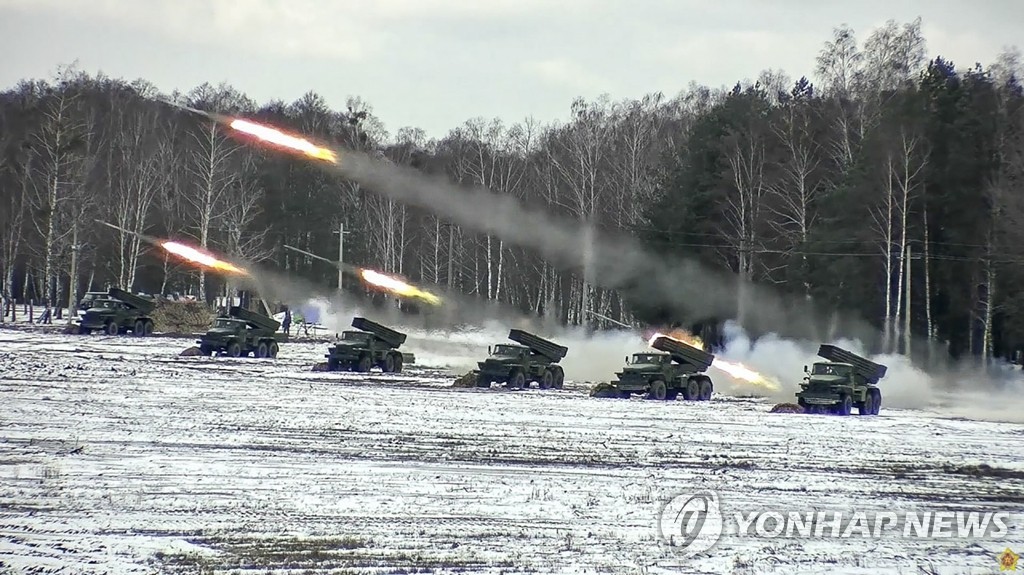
(182, 317)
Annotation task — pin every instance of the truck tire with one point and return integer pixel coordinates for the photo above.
(559, 378)
(111, 328)
(389, 363)
(876, 403)
(657, 390)
(692, 390)
(272, 350)
(547, 379)
(234, 349)
(706, 389)
(205, 350)
(139, 329)
(844, 406)
(483, 382)
(262, 350)
(867, 406)
(365, 363)
(333, 364)
(147, 330)
(399, 360)
(516, 380)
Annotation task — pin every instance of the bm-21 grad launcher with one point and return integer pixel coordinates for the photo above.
(534, 360)
(374, 345)
(844, 381)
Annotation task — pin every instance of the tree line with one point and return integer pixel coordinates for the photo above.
(888, 183)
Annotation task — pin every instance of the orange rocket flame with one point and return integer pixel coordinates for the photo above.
(279, 138)
(195, 256)
(397, 286)
(736, 370)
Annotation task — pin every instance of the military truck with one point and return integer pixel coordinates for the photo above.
(116, 311)
(679, 369)
(840, 383)
(240, 332)
(375, 345)
(534, 360)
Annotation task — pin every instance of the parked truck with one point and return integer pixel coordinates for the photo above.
(678, 369)
(373, 346)
(240, 332)
(116, 311)
(534, 360)
(842, 382)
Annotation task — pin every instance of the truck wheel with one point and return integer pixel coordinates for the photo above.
(139, 329)
(389, 363)
(234, 349)
(398, 362)
(692, 390)
(272, 350)
(111, 328)
(205, 350)
(333, 364)
(876, 401)
(868, 406)
(147, 330)
(547, 380)
(706, 389)
(559, 378)
(657, 390)
(483, 382)
(844, 406)
(517, 380)
(261, 349)
(364, 364)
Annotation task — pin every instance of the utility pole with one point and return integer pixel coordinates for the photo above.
(341, 252)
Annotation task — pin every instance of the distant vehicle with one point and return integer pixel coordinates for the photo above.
(535, 360)
(679, 370)
(115, 311)
(241, 332)
(374, 346)
(841, 383)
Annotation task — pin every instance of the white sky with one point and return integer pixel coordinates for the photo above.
(435, 63)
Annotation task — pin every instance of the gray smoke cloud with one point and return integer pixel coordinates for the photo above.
(614, 260)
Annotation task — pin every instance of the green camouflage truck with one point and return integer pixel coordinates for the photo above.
(842, 382)
(241, 332)
(678, 369)
(534, 360)
(116, 312)
(373, 346)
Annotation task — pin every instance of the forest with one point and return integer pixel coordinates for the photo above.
(887, 182)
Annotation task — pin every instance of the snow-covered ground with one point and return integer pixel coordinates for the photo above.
(119, 456)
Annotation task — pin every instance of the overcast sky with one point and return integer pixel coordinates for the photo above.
(435, 63)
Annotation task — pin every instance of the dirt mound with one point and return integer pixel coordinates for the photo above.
(181, 316)
(604, 389)
(190, 352)
(787, 408)
(466, 380)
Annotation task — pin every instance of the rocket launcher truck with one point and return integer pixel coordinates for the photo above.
(241, 332)
(116, 311)
(374, 345)
(534, 360)
(844, 381)
(678, 369)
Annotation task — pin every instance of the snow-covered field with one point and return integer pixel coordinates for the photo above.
(119, 456)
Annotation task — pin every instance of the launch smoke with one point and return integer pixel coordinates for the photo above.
(612, 261)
